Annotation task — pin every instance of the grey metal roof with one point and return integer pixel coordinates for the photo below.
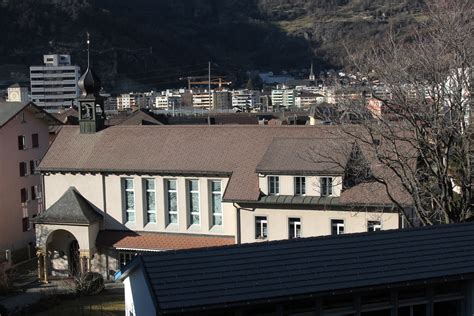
(298, 200)
(9, 110)
(206, 278)
(71, 208)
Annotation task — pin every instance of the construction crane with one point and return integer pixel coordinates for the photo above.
(198, 80)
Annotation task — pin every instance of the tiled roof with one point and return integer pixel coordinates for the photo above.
(233, 151)
(263, 272)
(305, 156)
(229, 150)
(140, 117)
(69, 116)
(71, 208)
(159, 241)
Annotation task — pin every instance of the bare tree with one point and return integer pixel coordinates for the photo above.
(420, 135)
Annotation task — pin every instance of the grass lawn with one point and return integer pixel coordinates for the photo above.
(108, 303)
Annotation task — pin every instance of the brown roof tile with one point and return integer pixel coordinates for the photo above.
(305, 156)
(230, 150)
(225, 150)
(159, 241)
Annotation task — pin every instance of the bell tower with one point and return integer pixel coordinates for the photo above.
(91, 103)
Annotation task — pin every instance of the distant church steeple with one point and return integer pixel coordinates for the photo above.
(312, 77)
(91, 104)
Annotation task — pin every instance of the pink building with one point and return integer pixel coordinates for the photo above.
(24, 139)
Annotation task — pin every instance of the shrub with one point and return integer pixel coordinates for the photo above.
(89, 283)
(6, 279)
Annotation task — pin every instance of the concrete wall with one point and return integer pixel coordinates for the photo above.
(287, 185)
(313, 222)
(11, 208)
(138, 298)
(105, 261)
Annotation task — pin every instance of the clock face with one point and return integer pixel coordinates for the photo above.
(14, 95)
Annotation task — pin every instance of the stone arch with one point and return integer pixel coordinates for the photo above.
(62, 250)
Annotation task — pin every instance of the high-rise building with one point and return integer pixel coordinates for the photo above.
(54, 85)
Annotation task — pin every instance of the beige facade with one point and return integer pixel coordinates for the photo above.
(16, 231)
(92, 187)
(313, 184)
(314, 222)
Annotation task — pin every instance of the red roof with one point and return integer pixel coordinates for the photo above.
(159, 241)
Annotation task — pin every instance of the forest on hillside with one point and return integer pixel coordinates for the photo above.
(174, 37)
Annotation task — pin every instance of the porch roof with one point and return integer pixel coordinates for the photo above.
(151, 241)
(71, 208)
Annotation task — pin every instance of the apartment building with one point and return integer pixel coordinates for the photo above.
(307, 100)
(216, 100)
(126, 101)
(54, 85)
(24, 139)
(283, 98)
(168, 100)
(110, 193)
(246, 99)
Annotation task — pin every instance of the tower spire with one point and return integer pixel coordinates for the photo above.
(88, 50)
(91, 103)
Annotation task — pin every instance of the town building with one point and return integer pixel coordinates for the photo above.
(168, 100)
(417, 271)
(54, 85)
(246, 99)
(283, 98)
(24, 139)
(126, 101)
(307, 100)
(216, 100)
(202, 99)
(112, 192)
(221, 100)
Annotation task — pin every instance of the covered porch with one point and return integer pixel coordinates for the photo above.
(65, 237)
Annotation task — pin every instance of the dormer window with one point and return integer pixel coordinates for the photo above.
(326, 186)
(273, 185)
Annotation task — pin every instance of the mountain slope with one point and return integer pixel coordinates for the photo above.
(147, 42)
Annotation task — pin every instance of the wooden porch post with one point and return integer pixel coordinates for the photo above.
(40, 267)
(45, 266)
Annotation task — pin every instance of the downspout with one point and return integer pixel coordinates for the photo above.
(43, 193)
(238, 238)
(104, 206)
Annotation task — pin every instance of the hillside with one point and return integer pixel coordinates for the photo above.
(146, 42)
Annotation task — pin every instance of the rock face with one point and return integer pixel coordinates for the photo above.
(133, 36)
